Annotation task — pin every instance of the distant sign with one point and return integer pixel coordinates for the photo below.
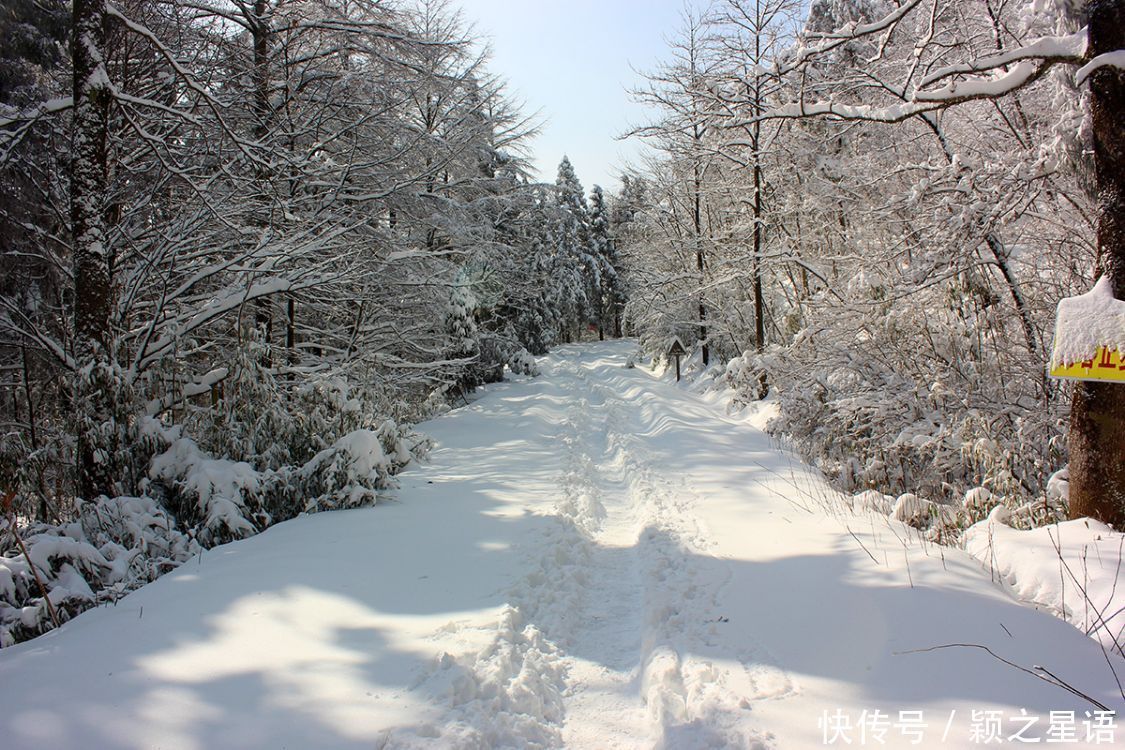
(1106, 364)
(677, 350)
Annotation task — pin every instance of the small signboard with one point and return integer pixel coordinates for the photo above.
(1091, 323)
(1106, 364)
(677, 350)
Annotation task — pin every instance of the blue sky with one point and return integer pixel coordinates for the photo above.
(573, 60)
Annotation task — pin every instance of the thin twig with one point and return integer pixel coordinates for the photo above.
(1043, 673)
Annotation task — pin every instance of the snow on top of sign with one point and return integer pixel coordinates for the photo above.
(1088, 321)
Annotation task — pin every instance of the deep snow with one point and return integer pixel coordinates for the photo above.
(595, 558)
(1072, 569)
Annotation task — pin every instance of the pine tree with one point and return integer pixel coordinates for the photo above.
(464, 337)
(608, 300)
(576, 266)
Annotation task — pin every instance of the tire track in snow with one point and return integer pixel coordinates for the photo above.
(507, 695)
(510, 693)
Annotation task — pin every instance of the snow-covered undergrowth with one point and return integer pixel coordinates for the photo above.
(1073, 569)
(1070, 568)
(939, 460)
(193, 500)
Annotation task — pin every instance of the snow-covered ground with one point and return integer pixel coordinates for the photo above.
(597, 558)
(1072, 569)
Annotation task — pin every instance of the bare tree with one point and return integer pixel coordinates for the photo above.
(941, 76)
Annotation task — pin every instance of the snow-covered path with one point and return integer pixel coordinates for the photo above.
(595, 558)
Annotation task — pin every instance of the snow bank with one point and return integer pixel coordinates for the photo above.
(1070, 568)
(1086, 322)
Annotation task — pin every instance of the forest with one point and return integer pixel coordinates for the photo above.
(247, 246)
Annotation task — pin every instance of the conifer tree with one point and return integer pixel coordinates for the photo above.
(607, 300)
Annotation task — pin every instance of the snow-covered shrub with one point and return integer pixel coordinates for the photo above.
(108, 425)
(494, 354)
(1058, 487)
(195, 501)
(874, 502)
(924, 514)
(220, 498)
(977, 504)
(867, 425)
(138, 538)
(59, 560)
(521, 362)
(744, 374)
(352, 471)
(980, 503)
(116, 545)
(254, 420)
(911, 510)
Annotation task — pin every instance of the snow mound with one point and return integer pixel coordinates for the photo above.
(1070, 568)
(876, 502)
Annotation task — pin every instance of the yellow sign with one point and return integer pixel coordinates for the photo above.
(1106, 364)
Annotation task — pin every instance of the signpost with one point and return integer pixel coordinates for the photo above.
(1090, 337)
(677, 350)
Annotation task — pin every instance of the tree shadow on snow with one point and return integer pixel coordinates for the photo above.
(299, 627)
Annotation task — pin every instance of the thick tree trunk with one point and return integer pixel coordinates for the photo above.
(1097, 416)
(93, 283)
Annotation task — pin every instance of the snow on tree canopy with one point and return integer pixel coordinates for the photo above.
(1086, 322)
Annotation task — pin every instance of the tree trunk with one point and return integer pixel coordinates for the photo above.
(260, 34)
(93, 283)
(291, 330)
(1097, 416)
(34, 436)
(697, 217)
(759, 303)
